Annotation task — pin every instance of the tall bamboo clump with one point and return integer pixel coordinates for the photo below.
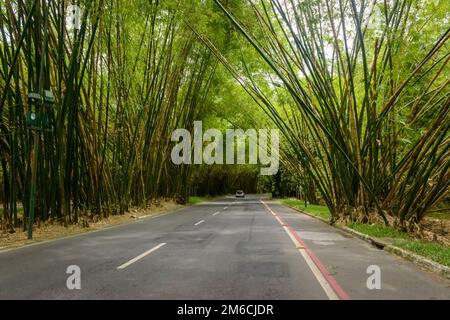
(123, 81)
(368, 83)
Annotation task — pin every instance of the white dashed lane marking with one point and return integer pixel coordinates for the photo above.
(200, 222)
(139, 257)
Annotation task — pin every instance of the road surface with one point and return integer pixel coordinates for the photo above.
(225, 249)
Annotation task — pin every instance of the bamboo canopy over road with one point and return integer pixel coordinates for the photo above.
(122, 82)
(359, 90)
(357, 98)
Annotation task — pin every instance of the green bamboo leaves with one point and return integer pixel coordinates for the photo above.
(350, 80)
(124, 79)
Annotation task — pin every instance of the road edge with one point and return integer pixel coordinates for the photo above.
(136, 220)
(419, 260)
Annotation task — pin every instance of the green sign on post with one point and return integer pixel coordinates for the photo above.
(36, 120)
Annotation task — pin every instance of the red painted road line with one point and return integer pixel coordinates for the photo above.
(329, 278)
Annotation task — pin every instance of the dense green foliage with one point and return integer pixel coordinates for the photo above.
(123, 82)
(359, 90)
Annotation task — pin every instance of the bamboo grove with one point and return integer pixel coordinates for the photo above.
(123, 80)
(358, 88)
(362, 96)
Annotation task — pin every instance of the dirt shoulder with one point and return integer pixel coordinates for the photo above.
(51, 231)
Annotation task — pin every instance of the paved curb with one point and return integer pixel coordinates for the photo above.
(419, 260)
(408, 255)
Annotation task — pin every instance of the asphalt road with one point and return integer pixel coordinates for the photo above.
(225, 249)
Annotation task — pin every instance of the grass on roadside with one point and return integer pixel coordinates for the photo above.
(196, 200)
(316, 210)
(434, 251)
(378, 230)
(431, 250)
